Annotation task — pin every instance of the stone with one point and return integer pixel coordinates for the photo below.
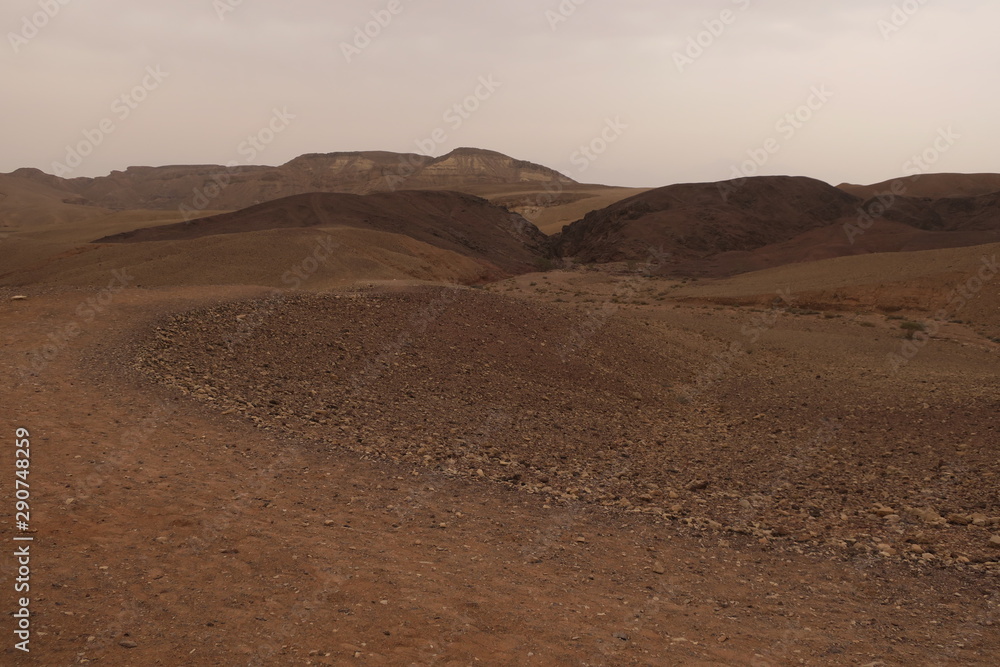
(928, 515)
(19, 297)
(995, 541)
(128, 643)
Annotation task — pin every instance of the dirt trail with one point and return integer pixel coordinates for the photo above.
(195, 539)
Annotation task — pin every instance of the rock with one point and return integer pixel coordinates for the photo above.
(697, 485)
(19, 297)
(128, 643)
(960, 519)
(995, 541)
(927, 515)
(886, 550)
(658, 568)
(883, 511)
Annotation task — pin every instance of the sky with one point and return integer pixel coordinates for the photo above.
(630, 92)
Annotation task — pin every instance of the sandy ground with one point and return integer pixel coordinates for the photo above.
(169, 533)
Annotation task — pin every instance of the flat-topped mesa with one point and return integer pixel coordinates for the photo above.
(218, 187)
(488, 166)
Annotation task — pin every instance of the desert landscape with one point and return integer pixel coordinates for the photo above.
(696, 425)
(529, 334)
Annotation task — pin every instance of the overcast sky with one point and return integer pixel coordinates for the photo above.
(625, 78)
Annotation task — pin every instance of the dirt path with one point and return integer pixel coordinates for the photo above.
(167, 534)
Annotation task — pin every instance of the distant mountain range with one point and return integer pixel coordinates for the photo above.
(198, 188)
(496, 205)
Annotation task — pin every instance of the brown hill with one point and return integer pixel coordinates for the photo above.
(919, 281)
(977, 213)
(934, 186)
(829, 242)
(460, 223)
(31, 199)
(200, 187)
(701, 219)
(720, 229)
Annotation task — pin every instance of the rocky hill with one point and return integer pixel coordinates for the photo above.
(196, 188)
(452, 221)
(718, 229)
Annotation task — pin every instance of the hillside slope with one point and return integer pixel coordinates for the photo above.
(719, 229)
(449, 220)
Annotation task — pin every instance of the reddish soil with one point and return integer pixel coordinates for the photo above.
(194, 537)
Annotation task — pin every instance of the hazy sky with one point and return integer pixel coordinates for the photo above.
(137, 82)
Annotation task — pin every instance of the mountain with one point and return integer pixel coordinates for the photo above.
(196, 188)
(720, 229)
(699, 219)
(30, 199)
(933, 186)
(460, 223)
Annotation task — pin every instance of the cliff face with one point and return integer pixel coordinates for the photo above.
(469, 164)
(212, 187)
